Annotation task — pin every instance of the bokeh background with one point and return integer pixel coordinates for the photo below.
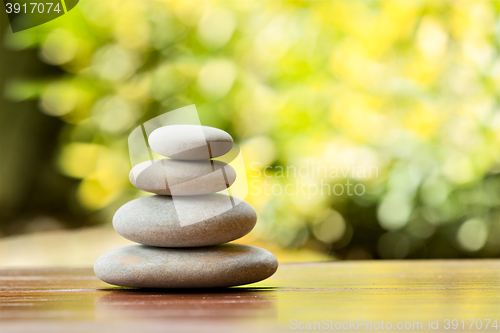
(408, 87)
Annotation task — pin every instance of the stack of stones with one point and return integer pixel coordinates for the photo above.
(185, 227)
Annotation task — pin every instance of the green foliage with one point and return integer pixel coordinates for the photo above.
(407, 87)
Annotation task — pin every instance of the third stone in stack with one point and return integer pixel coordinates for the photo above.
(183, 227)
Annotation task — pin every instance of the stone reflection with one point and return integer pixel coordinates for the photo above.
(205, 303)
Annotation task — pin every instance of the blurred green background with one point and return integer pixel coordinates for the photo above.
(410, 88)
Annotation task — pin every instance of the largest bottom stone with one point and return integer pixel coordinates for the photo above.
(203, 267)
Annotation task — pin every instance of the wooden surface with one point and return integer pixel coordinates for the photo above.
(74, 300)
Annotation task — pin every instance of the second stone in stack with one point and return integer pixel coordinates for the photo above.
(183, 227)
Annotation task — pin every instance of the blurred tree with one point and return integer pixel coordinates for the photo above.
(34, 195)
(408, 89)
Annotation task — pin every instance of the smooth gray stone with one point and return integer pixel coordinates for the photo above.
(175, 177)
(190, 142)
(208, 267)
(184, 221)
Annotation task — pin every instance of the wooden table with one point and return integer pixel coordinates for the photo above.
(336, 295)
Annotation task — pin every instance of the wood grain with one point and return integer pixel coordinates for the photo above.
(74, 300)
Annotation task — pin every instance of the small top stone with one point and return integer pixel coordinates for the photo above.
(190, 142)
